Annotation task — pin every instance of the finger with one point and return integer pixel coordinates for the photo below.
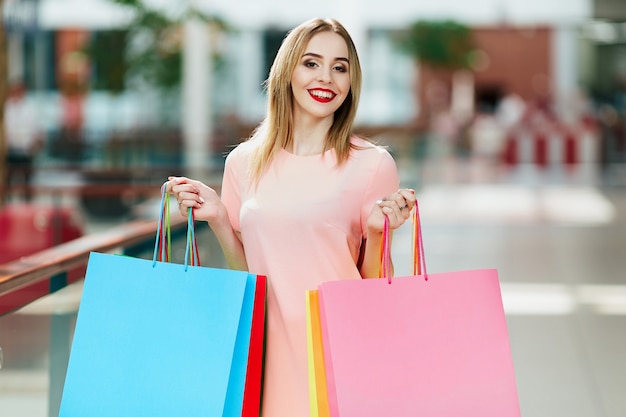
(190, 200)
(397, 208)
(183, 191)
(399, 200)
(393, 202)
(395, 216)
(182, 207)
(171, 182)
(409, 197)
(186, 204)
(177, 180)
(407, 193)
(392, 210)
(174, 182)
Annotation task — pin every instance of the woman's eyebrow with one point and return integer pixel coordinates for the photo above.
(314, 55)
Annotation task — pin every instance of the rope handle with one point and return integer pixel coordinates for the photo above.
(163, 241)
(419, 257)
(385, 253)
(417, 243)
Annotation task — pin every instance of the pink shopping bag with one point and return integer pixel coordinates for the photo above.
(428, 345)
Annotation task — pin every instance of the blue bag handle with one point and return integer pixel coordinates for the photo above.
(162, 244)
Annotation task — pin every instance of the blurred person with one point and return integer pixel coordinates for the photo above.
(487, 137)
(304, 199)
(510, 110)
(612, 127)
(23, 136)
(72, 103)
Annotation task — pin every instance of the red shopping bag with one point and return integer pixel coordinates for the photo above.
(251, 405)
(428, 345)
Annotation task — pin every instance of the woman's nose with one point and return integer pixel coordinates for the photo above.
(325, 75)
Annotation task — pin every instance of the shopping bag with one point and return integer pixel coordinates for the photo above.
(155, 338)
(251, 405)
(428, 345)
(318, 392)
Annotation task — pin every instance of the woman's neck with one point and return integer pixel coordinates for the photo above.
(309, 137)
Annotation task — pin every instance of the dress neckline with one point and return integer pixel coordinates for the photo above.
(296, 156)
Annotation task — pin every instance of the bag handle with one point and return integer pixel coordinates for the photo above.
(417, 243)
(163, 241)
(419, 258)
(385, 253)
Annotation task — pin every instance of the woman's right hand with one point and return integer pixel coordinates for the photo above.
(205, 202)
(208, 206)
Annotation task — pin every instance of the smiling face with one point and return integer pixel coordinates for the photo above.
(320, 81)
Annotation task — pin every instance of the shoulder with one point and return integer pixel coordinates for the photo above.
(241, 154)
(375, 162)
(242, 150)
(237, 164)
(368, 150)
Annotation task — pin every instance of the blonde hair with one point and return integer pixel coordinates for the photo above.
(276, 130)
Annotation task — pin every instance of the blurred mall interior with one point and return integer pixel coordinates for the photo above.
(518, 157)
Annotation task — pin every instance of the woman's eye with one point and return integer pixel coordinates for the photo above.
(340, 69)
(310, 64)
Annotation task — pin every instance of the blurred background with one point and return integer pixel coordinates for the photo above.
(507, 117)
(134, 90)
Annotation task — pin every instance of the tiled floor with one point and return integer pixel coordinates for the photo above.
(558, 240)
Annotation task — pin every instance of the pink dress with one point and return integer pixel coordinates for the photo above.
(302, 225)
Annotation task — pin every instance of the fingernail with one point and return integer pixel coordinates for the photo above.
(202, 200)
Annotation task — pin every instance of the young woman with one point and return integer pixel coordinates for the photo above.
(304, 199)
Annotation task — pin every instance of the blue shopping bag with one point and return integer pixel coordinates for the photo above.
(155, 338)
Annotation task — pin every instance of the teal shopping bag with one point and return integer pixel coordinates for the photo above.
(154, 338)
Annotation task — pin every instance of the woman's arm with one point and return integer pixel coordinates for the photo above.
(369, 262)
(208, 206)
(230, 242)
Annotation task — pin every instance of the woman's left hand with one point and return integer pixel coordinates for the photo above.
(397, 207)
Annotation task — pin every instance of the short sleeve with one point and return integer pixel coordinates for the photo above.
(384, 181)
(231, 188)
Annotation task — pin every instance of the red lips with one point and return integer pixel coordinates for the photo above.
(322, 95)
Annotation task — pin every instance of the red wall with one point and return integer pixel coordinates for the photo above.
(518, 60)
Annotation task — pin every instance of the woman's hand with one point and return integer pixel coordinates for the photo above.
(397, 207)
(203, 199)
(208, 206)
